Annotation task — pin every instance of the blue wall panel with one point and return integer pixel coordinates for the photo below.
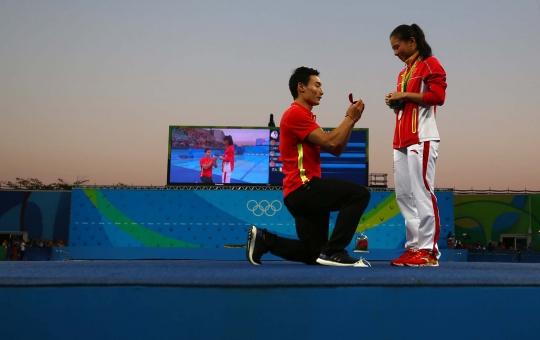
(43, 214)
(215, 218)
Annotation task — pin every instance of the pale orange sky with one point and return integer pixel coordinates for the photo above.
(89, 88)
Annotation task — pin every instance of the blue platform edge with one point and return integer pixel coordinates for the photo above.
(236, 300)
(228, 254)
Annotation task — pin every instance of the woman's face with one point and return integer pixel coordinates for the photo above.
(403, 49)
(226, 142)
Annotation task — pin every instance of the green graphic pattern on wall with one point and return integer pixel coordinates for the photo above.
(383, 211)
(383, 223)
(144, 235)
(215, 218)
(486, 218)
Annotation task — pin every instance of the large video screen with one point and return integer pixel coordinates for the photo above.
(256, 160)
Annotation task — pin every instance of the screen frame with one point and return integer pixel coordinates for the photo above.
(171, 127)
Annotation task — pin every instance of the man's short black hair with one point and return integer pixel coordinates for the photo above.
(206, 150)
(300, 75)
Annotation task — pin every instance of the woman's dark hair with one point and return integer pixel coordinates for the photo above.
(228, 139)
(300, 75)
(406, 32)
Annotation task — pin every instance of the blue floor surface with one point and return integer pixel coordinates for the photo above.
(198, 273)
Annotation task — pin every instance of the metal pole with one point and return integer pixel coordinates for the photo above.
(530, 219)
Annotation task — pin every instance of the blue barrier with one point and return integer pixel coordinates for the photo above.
(37, 254)
(216, 219)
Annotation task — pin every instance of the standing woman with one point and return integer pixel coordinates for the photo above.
(421, 87)
(228, 159)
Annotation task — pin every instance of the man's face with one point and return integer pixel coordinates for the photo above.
(403, 49)
(313, 92)
(207, 153)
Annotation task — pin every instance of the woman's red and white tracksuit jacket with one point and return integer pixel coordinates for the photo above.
(227, 166)
(416, 144)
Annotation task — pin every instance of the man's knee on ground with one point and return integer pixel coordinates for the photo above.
(362, 194)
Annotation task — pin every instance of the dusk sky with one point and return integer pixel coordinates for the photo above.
(89, 88)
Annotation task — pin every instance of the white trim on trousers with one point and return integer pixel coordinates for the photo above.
(227, 172)
(414, 178)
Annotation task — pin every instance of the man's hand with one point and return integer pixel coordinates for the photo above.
(355, 110)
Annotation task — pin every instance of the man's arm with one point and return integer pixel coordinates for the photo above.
(205, 165)
(336, 141)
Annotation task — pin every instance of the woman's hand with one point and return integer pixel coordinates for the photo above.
(395, 96)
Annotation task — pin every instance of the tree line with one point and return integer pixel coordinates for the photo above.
(36, 184)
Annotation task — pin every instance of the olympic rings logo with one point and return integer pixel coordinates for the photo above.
(264, 207)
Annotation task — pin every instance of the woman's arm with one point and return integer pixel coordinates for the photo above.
(436, 87)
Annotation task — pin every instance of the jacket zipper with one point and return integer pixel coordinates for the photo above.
(414, 120)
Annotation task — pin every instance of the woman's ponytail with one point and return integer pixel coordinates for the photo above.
(406, 32)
